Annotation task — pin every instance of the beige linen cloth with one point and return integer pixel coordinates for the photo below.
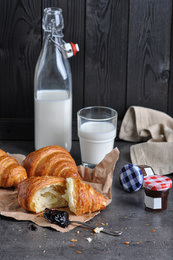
(154, 130)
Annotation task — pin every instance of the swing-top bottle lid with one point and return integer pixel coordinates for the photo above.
(53, 23)
(71, 49)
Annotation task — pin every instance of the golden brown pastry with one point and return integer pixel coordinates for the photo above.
(11, 172)
(51, 160)
(37, 193)
(82, 198)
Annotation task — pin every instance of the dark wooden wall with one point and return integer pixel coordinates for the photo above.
(125, 57)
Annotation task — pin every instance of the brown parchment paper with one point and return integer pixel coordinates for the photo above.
(100, 178)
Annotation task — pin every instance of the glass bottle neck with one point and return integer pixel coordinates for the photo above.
(47, 37)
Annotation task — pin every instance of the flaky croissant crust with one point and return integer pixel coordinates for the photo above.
(28, 188)
(82, 198)
(11, 172)
(51, 160)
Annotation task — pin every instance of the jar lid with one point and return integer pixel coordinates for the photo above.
(131, 177)
(157, 183)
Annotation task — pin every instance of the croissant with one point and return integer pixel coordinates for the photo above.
(82, 198)
(51, 160)
(11, 172)
(37, 193)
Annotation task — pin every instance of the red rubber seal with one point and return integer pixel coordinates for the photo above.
(73, 48)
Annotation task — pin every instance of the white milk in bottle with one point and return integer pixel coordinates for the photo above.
(53, 118)
(53, 84)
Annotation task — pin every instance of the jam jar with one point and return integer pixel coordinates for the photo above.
(156, 192)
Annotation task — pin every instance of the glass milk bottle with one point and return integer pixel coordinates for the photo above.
(53, 85)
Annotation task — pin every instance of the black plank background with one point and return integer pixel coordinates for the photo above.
(149, 53)
(106, 54)
(125, 58)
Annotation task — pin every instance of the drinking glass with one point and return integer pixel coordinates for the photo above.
(97, 128)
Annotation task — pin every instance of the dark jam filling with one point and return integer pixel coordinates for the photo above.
(60, 218)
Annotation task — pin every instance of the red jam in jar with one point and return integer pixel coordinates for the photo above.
(156, 192)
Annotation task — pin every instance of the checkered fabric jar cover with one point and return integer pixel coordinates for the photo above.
(157, 183)
(131, 177)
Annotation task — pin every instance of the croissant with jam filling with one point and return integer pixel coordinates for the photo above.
(51, 160)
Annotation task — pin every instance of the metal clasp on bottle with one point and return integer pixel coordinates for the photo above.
(69, 48)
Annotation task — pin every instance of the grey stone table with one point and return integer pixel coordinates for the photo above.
(146, 235)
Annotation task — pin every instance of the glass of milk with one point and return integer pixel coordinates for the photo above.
(97, 127)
